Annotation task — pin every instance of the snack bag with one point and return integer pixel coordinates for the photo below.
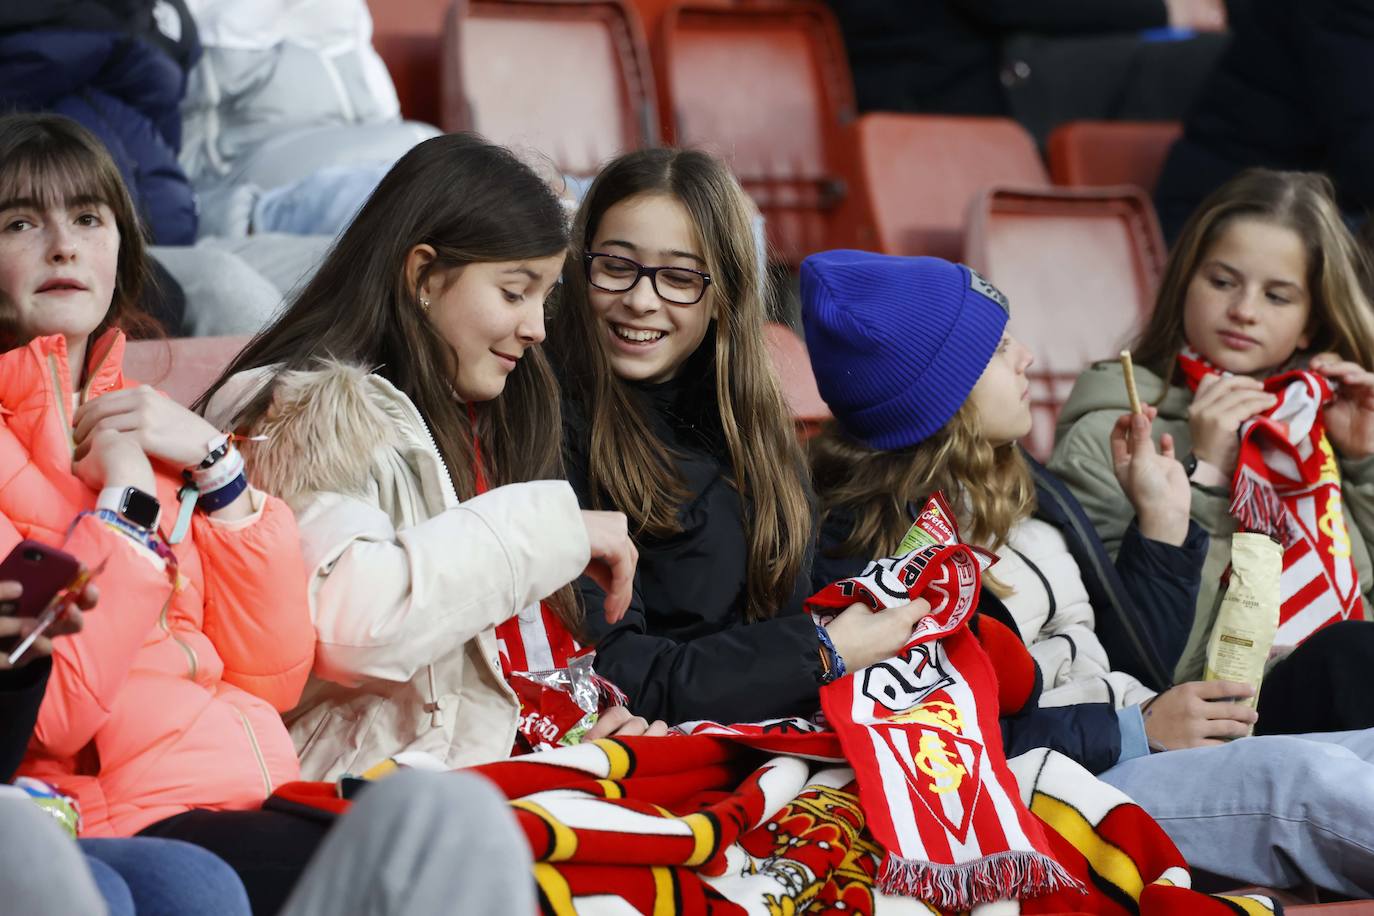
(558, 706)
(62, 808)
(1239, 645)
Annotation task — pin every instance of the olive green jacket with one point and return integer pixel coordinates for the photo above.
(1083, 460)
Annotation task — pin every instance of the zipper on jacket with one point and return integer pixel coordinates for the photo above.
(445, 481)
(95, 368)
(62, 407)
(257, 751)
(1084, 537)
(192, 662)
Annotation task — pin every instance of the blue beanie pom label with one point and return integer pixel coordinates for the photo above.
(978, 283)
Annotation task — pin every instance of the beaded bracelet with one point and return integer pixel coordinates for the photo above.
(150, 539)
(219, 474)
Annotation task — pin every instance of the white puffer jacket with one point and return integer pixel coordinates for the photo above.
(1051, 607)
(407, 585)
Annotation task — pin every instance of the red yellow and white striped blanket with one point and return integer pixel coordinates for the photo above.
(716, 825)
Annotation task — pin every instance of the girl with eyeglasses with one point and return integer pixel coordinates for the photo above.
(675, 417)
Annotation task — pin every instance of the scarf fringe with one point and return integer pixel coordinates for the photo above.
(1015, 874)
(1257, 506)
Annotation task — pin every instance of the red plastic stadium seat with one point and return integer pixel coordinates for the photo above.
(183, 367)
(768, 88)
(1080, 268)
(407, 35)
(793, 366)
(912, 177)
(568, 78)
(1093, 153)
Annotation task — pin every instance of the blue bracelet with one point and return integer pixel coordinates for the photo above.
(218, 499)
(835, 670)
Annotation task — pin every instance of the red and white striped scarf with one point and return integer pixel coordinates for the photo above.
(534, 639)
(921, 731)
(1287, 484)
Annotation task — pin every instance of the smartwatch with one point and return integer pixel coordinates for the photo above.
(133, 505)
(1189, 463)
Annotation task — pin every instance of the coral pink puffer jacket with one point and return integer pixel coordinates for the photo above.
(169, 699)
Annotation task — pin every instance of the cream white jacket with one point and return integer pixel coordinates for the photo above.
(1051, 607)
(407, 585)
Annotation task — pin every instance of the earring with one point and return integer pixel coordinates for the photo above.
(424, 303)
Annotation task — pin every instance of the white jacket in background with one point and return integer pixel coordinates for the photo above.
(1051, 608)
(407, 585)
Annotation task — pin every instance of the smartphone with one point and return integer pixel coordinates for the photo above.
(43, 571)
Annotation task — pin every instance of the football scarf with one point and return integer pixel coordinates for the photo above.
(1287, 484)
(534, 639)
(921, 732)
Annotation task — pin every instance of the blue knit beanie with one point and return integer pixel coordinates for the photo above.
(897, 344)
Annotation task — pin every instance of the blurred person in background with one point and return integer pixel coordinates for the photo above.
(1041, 62)
(1290, 93)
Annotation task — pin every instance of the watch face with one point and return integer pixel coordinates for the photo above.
(140, 508)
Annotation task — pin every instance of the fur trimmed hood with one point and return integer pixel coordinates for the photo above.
(323, 428)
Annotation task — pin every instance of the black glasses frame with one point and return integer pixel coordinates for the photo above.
(641, 272)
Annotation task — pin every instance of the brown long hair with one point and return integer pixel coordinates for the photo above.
(472, 202)
(989, 487)
(52, 160)
(1304, 202)
(629, 466)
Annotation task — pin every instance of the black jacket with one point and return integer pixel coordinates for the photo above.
(686, 650)
(21, 692)
(946, 56)
(1291, 92)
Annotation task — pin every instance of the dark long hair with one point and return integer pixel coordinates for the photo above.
(472, 202)
(51, 159)
(629, 466)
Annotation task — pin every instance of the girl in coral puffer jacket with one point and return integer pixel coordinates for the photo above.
(163, 716)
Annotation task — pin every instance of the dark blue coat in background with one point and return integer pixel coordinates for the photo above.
(119, 72)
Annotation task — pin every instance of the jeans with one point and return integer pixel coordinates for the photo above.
(163, 877)
(1274, 810)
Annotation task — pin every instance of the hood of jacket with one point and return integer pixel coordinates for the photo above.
(309, 408)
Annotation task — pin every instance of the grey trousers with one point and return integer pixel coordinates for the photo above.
(419, 843)
(235, 286)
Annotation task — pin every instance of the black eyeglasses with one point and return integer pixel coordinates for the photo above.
(614, 274)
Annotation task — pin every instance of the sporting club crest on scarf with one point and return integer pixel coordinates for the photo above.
(1287, 484)
(921, 731)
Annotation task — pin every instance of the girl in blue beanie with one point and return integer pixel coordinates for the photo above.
(929, 392)
(675, 417)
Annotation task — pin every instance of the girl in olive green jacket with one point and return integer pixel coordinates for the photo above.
(1265, 278)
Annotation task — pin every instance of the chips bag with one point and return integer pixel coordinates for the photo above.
(559, 705)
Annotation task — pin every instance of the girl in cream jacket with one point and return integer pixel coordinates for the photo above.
(410, 419)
